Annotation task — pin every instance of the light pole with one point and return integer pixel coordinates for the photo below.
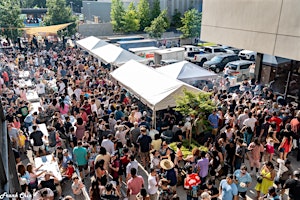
(89, 10)
(71, 2)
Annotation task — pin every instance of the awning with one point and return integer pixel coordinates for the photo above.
(45, 29)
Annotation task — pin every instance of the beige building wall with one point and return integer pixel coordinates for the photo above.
(265, 26)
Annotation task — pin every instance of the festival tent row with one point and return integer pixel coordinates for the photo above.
(154, 89)
(186, 72)
(107, 53)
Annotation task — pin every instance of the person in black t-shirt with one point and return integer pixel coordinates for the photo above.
(144, 141)
(210, 189)
(294, 186)
(38, 143)
(51, 183)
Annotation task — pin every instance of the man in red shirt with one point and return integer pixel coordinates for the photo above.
(134, 185)
(67, 175)
(5, 77)
(277, 120)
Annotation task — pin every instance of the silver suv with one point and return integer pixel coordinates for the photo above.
(240, 68)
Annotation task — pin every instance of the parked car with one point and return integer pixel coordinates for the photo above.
(209, 53)
(240, 68)
(247, 55)
(232, 50)
(218, 63)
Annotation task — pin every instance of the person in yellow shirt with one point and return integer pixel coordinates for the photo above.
(22, 139)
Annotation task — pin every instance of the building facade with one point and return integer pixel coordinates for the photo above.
(269, 27)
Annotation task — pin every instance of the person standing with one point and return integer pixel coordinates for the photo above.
(144, 142)
(203, 166)
(256, 149)
(228, 189)
(267, 175)
(170, 173)
(134, 185)
(81, 156)
(191, 184)
(243, 180)
(38, 144)
(153, 184)
(213, 120)
(293, 185)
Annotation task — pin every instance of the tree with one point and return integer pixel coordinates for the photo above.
(191, 23)
(192, 104)
(158, 25)
(176, 19)
(59, 13)
(130, 20)
(155, 9)
(197, 106)
(10, 19)
(144, 14)
(116, 14)
(33, 3)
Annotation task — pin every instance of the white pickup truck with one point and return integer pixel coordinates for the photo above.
(209, 53)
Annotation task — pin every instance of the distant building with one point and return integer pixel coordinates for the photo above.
(101, 9)
(180, 5)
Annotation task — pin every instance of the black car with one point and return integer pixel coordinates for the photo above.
(218, 63)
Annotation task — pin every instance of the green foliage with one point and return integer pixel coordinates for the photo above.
(187, 147)
(130, 20)
(33, 3)
(191, 23)
(194, 103)
(10, 20)
(143, 9)
(176, 19)
(59, 13)
(116, 14)
(155, 12)
(158, 26)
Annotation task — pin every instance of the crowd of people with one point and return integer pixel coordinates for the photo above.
(98, 132)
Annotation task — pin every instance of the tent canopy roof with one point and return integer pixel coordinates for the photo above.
(91, 42)
(114, 55)
(45, 29)
(186, 71)
(153, 88)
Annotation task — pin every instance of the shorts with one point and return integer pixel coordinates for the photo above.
(37, 148)
(214, 131)
(81, 167)
(145, 155)
(243, 194)
(116, 180)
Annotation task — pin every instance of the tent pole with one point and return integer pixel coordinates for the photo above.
(154, 118)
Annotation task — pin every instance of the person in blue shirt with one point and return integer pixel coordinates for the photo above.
(213, 119)
(243, 180)
(228, 189)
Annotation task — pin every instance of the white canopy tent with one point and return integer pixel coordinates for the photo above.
(91, 42)
(154, 89)
(186, 71)
(114, 55)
